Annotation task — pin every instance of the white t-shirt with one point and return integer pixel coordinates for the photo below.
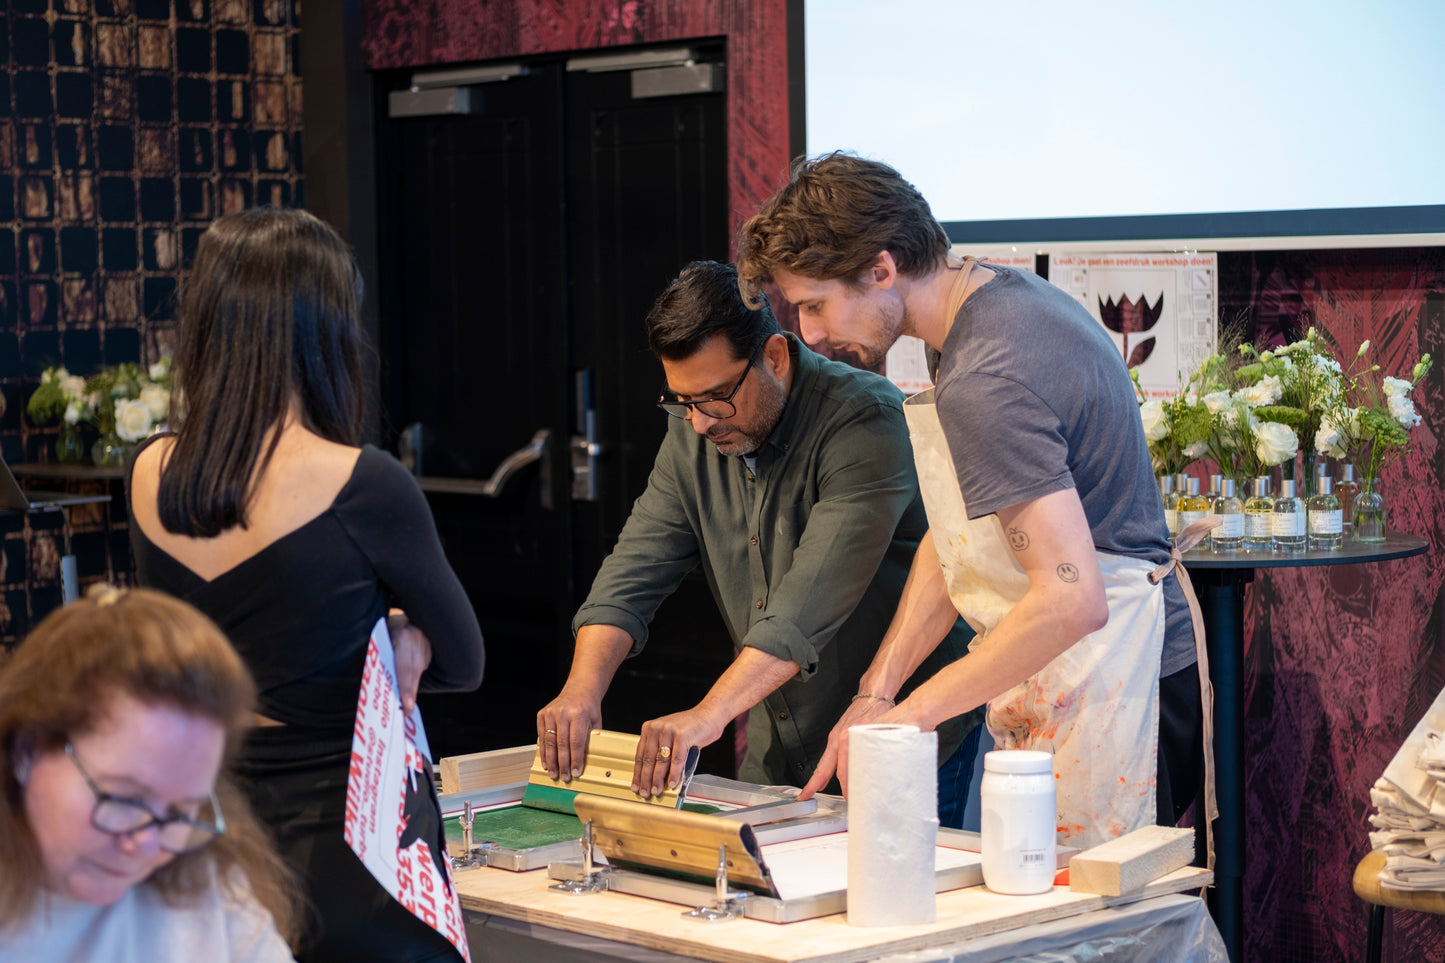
(141, 928)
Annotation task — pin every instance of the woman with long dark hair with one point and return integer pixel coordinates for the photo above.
(266, 512)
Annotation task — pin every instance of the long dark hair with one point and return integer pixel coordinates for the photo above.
(269, 314)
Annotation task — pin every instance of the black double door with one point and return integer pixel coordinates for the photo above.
(522, 244)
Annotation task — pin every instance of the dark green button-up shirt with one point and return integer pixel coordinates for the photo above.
(806, 555)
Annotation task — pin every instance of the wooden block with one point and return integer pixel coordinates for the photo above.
(482, 770)
(1130, 862)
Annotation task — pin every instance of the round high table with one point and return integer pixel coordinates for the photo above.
(1219, 579)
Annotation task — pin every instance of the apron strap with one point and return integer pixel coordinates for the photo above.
(957, 293)
(1186, 540)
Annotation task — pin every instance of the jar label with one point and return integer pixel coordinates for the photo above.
(1287, 523)
(1330, 522)
(1171, 519)
(1259, 524)
(1233, 526)
(1189, 518)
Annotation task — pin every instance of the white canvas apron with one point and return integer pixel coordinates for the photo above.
(1095, 706)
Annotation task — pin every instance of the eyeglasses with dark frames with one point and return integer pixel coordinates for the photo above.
(178, 833)
(719, 408)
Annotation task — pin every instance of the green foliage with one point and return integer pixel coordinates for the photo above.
(1280, 414)
(47, 404)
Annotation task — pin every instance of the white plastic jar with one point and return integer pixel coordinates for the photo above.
(1019, 821)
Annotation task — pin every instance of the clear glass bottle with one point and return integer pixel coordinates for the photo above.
(1228, 506)
(1192, 505)
(1346, 491)
(1170, 497)
(1214, 488)
(1259, 518)
(1325, 519)
(1369, 512)
(1287, 523)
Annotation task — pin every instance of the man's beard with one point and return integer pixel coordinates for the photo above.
(772, 397)
(884, 332)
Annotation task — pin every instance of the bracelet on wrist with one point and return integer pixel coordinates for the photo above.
(869, 695)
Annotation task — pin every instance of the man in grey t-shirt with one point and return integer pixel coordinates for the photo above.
(1044, 460)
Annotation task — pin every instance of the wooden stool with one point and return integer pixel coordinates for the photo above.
(1367, 888)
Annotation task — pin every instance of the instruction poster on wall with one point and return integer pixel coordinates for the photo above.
(1162, 310)
(907, 363)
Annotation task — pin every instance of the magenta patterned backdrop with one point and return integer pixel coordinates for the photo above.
(1342, 661)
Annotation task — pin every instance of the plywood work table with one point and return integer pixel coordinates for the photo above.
(643, 928)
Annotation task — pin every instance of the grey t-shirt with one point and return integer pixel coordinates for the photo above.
(1034, 398)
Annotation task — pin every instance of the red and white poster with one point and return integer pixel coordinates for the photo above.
(391, 810)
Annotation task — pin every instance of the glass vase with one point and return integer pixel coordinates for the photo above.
(109, 451)
(1369, 513)
(68, 447)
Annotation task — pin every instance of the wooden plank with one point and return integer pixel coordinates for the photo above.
(481, 770)
(962, 914)
(1127, 863)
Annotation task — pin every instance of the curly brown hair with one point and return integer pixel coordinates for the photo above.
(159, 651)
(832, 219)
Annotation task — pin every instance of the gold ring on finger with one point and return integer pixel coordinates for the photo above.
(665, 752)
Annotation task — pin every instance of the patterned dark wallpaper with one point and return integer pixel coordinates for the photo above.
(126, 126)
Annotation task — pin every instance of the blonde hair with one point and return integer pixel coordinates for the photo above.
(159, 651)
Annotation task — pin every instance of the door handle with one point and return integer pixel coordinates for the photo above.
(536, 450)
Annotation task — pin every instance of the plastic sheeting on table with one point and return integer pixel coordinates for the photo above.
(1165, 929)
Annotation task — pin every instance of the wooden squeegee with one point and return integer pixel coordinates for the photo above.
(607, 771)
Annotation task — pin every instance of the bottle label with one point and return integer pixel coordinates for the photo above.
(1287, 523)
(1233, 526)
(1188, 518)
(1259, 524)
(1171, 519)
(1331, 522)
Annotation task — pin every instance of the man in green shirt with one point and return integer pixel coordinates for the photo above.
(789, 478)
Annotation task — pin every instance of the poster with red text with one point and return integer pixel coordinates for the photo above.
(391, 810)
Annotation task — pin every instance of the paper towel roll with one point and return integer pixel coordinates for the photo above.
(892, 825)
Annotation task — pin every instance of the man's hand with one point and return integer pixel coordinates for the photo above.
(653, 769)
(565, 723)
(413, 654)
(835, 757)
(563, 727)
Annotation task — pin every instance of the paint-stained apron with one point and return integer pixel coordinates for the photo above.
(1095, 707)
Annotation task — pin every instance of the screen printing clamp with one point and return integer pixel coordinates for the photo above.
(726, 906)
(469, 854)
(592, 880)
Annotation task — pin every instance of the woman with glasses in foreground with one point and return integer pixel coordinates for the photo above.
(121, 839)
